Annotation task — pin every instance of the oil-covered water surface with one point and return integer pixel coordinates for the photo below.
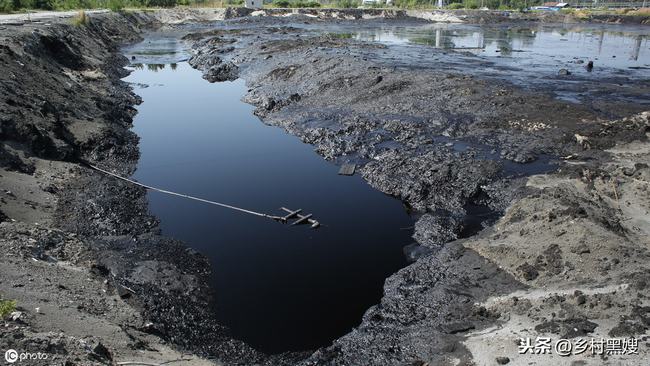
(550, 57)
(277, 287)
(610, 47)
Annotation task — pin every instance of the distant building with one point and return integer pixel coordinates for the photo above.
(254, 4)
(552, 6)
(556, 5)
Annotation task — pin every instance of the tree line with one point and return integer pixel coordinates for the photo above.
(21, 5)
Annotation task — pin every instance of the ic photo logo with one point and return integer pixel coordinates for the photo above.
(12, 356)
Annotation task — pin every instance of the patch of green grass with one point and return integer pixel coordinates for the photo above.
(81, 19)
(7, 307)
(306, 4)
(348, 3)
(116, 5)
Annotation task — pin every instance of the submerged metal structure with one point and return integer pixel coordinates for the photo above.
(301, 219)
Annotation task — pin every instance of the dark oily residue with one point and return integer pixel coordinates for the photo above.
(277, 287)
(301, 303)
(529, 55)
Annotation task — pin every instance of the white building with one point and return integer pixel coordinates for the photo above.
(254, 4)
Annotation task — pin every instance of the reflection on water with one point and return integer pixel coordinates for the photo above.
(530, 56)
(157, 49)
(154, 67)
(612, 47)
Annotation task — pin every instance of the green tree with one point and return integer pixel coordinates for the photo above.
(161, 3)
(116, 5)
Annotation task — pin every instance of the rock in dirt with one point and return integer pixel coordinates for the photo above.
(225, 71)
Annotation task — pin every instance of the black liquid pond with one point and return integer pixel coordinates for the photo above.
(277, 287)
